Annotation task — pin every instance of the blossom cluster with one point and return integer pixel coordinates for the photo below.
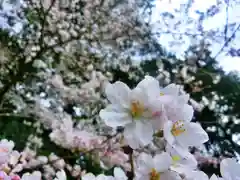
(146, 133)
(157, 127)
(12, 162)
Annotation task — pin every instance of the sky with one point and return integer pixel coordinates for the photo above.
(227, 62)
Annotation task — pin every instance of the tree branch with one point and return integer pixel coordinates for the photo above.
(227, 41)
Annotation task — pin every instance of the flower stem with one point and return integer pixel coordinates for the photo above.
(132, 164)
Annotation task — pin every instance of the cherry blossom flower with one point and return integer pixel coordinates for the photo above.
(90, 176)
(134, 109)
(5, 150)
(229, 169)
(150, 115)
(129, 105)
(155, 168)
(183, 132)
(60, 175)
(36, 175)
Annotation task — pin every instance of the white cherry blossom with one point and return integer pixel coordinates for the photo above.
(90, 176)
(155, 168)
(179, 130)
(36, 175)
(128, 105)
(229, 169)
(61, 175)
(134, 109)
(6, 148)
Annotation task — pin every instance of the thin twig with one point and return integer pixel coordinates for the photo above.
(226, 26)
(227, 41)
(132, 164)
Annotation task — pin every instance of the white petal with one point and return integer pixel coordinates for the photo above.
(144, 132)
(187, 113)
(119, 174)
(88, 176)
(171, 89)
(162, 162)
(183, 99)
(183, 112)
(61, 175)
(130, 136)
(193, 136)
(118, 93)
(113, 117)
(177, 150)
(144, 163)
(103, 177)
(189, 161)
(229, 169)
(138, 134)
(214, 177)
(185, 157)
(170, 175)
(196, 175)
(139, 95)
(167, 133)
(140, 176)
(150, 85)
(167, 99)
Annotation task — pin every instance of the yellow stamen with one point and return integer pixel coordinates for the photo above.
(176, 158)
(178, 128)
(154, 175)
(137, 109)
(161, 94)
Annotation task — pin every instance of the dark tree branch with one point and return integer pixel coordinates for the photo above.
(226, 25)
(227, 41)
